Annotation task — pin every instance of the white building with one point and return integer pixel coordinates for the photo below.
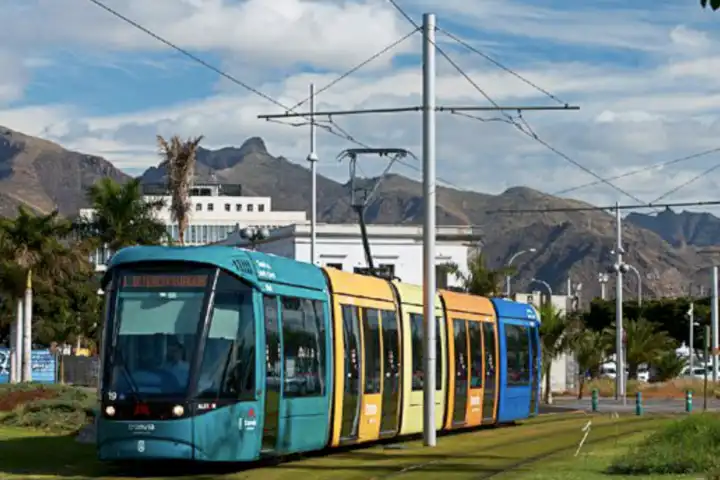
(217, 211)
(397, 248)
(564, 370)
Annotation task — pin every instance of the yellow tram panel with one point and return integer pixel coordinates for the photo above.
(411, 306)
(357, 406)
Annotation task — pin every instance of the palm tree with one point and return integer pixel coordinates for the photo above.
(644, 343)
(179, 160)
(121, 216)
(556, 335)
(590, 349)
(714, 4)
(30, 243)
(480, 280)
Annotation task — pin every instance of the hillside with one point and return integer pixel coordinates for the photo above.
(679, 229)
(42, 175)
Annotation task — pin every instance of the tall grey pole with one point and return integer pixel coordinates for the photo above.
(17, 335)
(619, 351)
(602, 290)
(429, 434)
(714, 324)
(312, 158)
(691, 314)
(27, 332)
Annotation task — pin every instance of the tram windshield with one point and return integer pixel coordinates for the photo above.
(156, 330)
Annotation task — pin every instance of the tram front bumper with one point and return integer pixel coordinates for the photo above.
(154, 440)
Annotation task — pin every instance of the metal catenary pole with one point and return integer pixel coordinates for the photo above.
(429, 434)
(714, 323)
(313, 159)
(429, 108)
(619, 350)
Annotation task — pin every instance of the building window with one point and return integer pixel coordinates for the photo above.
(441, 276)
(303, 326)
(198, 207)
(334, 265)
(238, 207)
(261, 207)
(250, 207)
(416, 338)
(518, 355)
(227, 207)
(211, 207)
(389, 268)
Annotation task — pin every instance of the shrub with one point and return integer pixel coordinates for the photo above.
(56, 408)
(690, 445)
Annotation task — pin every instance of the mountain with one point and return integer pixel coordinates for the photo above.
(43, 175)
(680, 229)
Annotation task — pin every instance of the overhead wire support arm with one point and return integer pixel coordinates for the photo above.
(451, 109)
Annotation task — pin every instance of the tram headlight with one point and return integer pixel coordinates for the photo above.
(178, 410)
(110, 411)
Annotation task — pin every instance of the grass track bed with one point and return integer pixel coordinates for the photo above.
(491, 453)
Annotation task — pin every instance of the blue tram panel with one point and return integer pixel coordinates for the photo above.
(273, 402)
(518, 326)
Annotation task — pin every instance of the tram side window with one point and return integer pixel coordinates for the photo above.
(518, 355)
(228, 366)
(476, 354)
(373, 356)
(303, 329)
(416, 339)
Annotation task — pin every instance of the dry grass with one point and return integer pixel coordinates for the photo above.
(673, 389)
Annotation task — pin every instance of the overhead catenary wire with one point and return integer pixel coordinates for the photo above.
(654, 166)
(687, 183)
(523, 127)
(646, 206)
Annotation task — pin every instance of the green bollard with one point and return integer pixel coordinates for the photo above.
(688, 401)
(638, 404)
(595, 400)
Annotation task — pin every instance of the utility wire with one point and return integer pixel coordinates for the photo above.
(685, 184)
(641, 170)
(524, 128)
(356, 68)
(613, 208)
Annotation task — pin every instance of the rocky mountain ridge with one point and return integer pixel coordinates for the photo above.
(43, 175)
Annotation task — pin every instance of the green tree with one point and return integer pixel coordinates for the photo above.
(179, 161)
(590, 349)
(714, 4)
(645, 343)
(121, 216)
(669, 365)
(556, 335)
(479, 279)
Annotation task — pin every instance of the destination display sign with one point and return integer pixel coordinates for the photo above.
(164, 281)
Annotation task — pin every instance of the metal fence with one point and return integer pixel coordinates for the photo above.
(78, 370)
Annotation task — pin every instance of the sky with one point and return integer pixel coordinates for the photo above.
(644, 74)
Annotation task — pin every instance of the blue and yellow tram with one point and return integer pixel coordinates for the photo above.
(221, 354)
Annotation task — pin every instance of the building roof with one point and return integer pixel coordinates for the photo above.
(463, 233)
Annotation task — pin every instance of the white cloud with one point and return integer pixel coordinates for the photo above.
(632, 115)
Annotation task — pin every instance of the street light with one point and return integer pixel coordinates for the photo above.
(254, 235)
(543, 282)
(690, 314)
(603, 278)
(639, 279)
(509, 263)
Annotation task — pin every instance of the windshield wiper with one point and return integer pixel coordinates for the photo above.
(120, 361)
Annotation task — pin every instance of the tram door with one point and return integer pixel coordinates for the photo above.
(273, 365)
(461, 372)
(391, 376)
(490, 366)
(534, 368)
(351, 398)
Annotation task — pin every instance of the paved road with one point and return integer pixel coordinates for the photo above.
(650, 405)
